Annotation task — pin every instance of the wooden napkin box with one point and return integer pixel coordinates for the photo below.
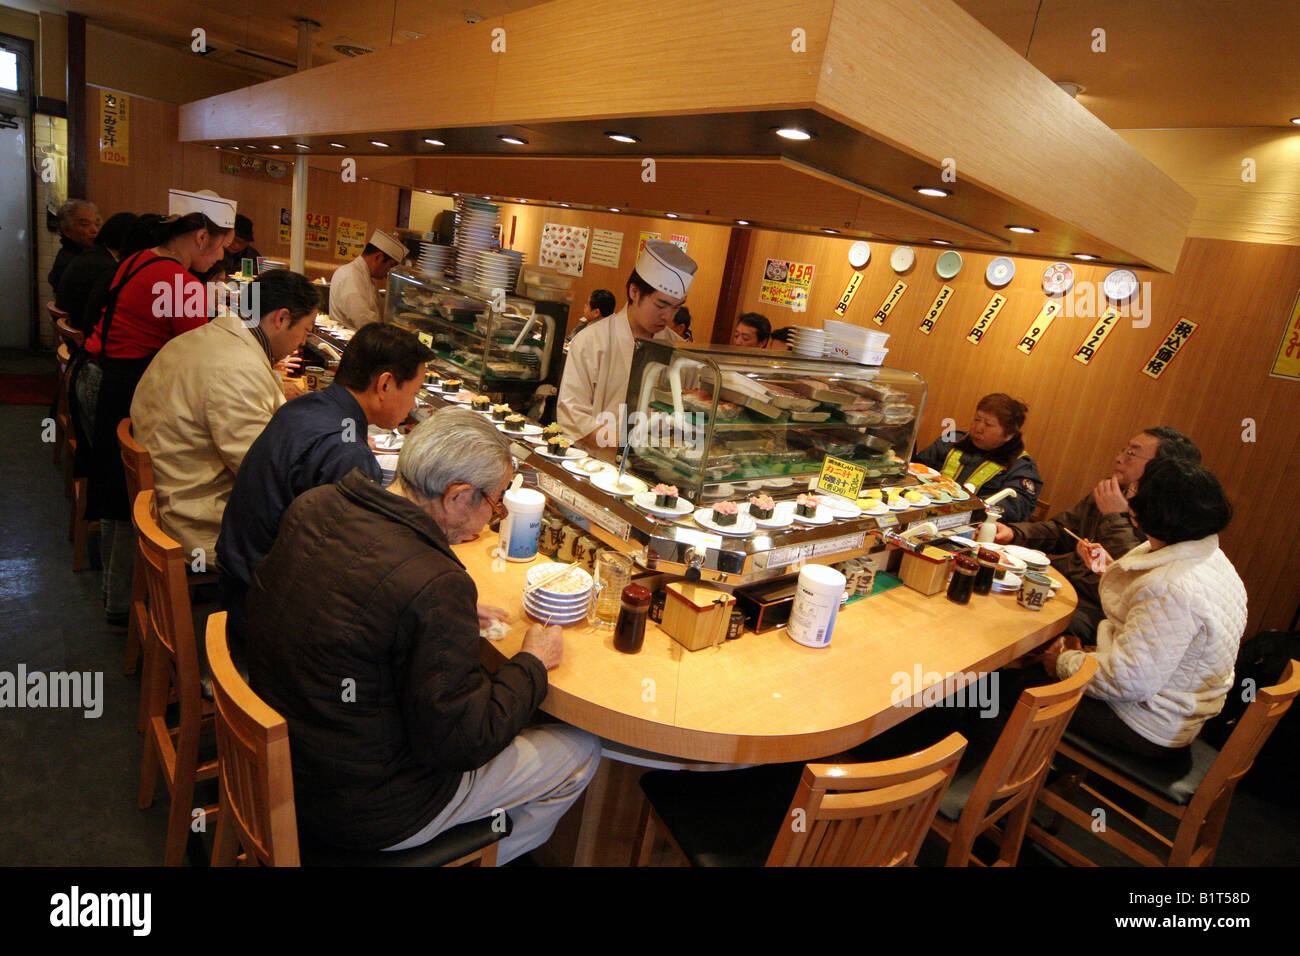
(696, 616)
(927, 573)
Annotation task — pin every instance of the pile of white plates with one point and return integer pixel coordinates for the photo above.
(563, 601)
(435, 259)
(476, 231)
(854, 343)
(810, 343)
(497, 270)
(388, 465)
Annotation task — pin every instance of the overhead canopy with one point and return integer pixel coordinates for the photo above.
(897, 94)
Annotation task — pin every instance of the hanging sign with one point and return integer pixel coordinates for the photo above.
(936, 309)
(787, 284)
(350, 238)
(1170, 347)
(1287, 362)
(1084, 353)
(849, 292)
(1051, 309)
(114, 128)
(982, 324)
(891, 300)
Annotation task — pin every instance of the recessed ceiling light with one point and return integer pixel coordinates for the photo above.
(1027, 230)
(1086, 257)
(366, 178)
(623, 138)
(435, 142)
(615, 209)
(671, 215)
(246, 146)
(524, 201)
(515, 140)
(301, 146)
(375, 142)
(338, 145)
(833, 232)
(794, 133)
(455, 194)
(429, 191)
(1296, 120)
(742, 222)
(932, 191)
(216, 147)
(276, 146)
(941, 242)
(565, 205)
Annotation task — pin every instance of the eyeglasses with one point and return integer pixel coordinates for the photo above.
(498, 507)
(1130, 453)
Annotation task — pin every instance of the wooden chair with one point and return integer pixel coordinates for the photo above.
(865, 814)
(257, 816)
(1007, 785)
(139, 477)
(1042, 510)
(171, 665)
(65, 446)
(70, 343)
(1198, 798)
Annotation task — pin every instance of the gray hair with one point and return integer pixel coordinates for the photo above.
(453, 446)
(69, 210)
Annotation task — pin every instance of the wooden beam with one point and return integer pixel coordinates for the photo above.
(76, 105)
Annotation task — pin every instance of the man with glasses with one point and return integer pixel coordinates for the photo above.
(1103, 518)
(364, 634)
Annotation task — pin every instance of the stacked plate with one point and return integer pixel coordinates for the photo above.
(560, 601)
(845, 341)
(388, 465)
(476, 231)
(497, 270)
(810, 343)
(435, 259)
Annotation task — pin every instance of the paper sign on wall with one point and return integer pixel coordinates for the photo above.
(936, 309)
(787, 284)
(564, 248)
(606, 248)
(1173, 342)
(350, 238)
(985, 321)
(680, 241)
(1287, 362)
(645, 237)
(114, 128)
(1084, 353)
(318, 231)
(891, 300)
(1038, 328)
(849, 291)
(286, 223)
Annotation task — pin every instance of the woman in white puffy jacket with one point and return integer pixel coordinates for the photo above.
(1175, 613)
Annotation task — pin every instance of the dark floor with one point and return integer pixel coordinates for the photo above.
(68, 784)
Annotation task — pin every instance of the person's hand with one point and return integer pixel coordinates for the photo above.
(1108, 498)
(1004, 534)
(487, 614)
(289, 364)
(1066, 642)
(546, 644)
(1094, 556)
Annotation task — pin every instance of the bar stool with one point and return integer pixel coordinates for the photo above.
(139, 477)
(257, 815)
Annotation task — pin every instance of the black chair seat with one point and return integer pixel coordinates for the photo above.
(958, 792)
(723, 818)
(445, 848)
(1176, 779)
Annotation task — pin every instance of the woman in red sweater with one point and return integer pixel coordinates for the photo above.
(157, 299)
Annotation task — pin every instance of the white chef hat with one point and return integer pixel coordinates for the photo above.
(664, 266)
(220, 211)
(388, 244)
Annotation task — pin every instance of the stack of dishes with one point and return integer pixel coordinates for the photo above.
(388, 465)
(856, 344)
(476, 231)
(434, 259)
(810, 343)
(561, 600)
(497, 270)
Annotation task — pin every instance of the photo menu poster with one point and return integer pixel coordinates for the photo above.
(787, 284)
(564, 248)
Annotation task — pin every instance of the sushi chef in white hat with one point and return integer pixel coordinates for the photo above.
(594, 385)
(354, 302)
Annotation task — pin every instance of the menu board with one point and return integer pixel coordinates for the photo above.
(787, 284)
(318, 231)
(606, 248)
(114, 128)
(564, 248)
(350, 239)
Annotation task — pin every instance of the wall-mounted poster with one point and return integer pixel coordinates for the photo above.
(681, 242)
(1287, 362)
(114, 128)
(645, 237)
(318, 231)
(787, 284)
(350, 238)
(606, 248)
(286, 225)
(564, 248)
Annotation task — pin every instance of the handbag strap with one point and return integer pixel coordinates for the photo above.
(110, 301)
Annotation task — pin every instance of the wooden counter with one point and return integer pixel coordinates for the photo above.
(763, 698)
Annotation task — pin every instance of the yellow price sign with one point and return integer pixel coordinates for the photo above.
(932, 316)
(849, 292)
(1170, 347)
(1051, 309)
(1286, 364)
(425, 339)
(839, 477)
(983, 323)
(1084, 353)
(891, 300)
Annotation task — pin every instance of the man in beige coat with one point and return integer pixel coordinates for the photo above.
(205, 398)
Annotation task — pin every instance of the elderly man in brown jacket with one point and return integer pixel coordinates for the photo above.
(364, 634)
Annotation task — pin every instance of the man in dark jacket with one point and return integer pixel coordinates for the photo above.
(73, 291)
(364, 634)
(79, 223)
(1103, 518)
(311, 441)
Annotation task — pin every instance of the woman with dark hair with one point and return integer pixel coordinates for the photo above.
(1175, 613)
(991, 456)
(79, 278)
(153, 298)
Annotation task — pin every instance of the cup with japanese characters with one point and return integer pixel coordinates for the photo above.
(1034, 590)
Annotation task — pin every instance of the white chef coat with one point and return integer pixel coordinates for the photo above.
(353, 299)
(596, 372)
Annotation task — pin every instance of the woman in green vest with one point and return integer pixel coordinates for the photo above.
(991, 456)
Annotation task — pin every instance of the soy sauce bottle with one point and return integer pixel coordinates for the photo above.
(988, 561)
(629, 632)
(963, 579)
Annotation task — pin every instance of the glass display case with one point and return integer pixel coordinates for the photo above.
(722, 423)
(509, 344)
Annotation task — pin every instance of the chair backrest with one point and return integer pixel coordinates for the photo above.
(255, 775)
(136, 460)
(1042, 508)
(1214, 795)
(72, 336)
(169, 619)
(866, 814)
(1018, 764)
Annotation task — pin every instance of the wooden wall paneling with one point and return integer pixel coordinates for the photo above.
(155, 159)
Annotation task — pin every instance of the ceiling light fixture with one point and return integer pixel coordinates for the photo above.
(615, 209)
(1085, 256)
(671, 215)
(1027, 230)
(932, 191)
(375, 142)
(338, 145)
(565, 205)
(833, 232)
(1296, 120)
(301, 146)
(1071, 89)
(742, 222)
(514, 140)
(276, 146)
(623, 137)
(435, 142)
(941, 242)
(793, 133)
